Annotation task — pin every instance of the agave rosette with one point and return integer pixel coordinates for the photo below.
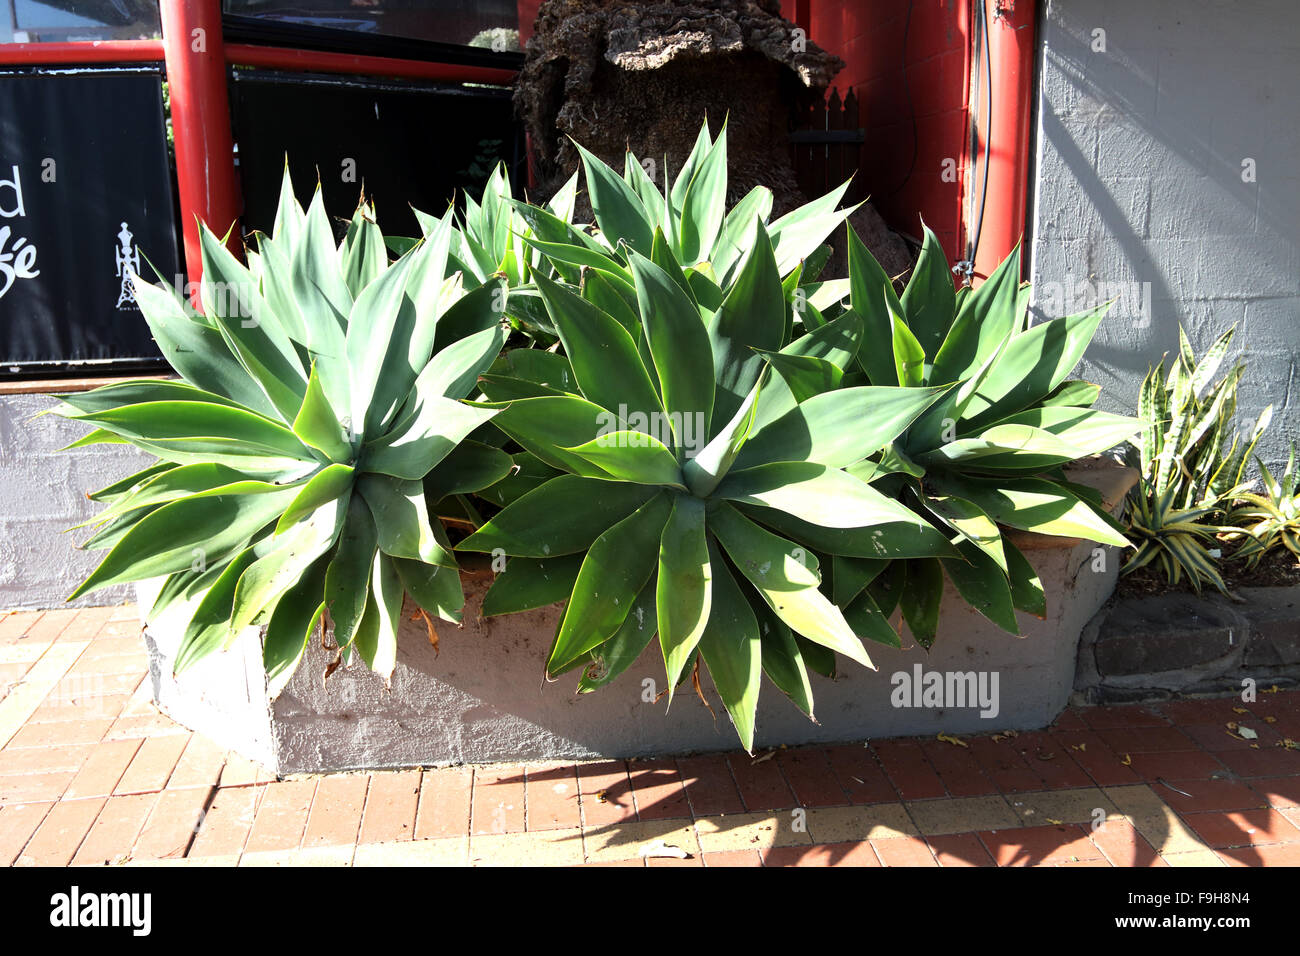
(319, 395)
(691, 470)
(989, 454)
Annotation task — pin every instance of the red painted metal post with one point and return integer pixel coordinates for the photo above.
(1011, 54)
(200, 102)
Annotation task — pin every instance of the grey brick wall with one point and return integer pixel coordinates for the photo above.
(42, 494)
(1139, 187)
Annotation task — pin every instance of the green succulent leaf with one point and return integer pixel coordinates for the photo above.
(929, 301)
(1026, 588)
(920, 599)
(679, 345)
(528, 583)
(983, 584)
(684, 593)
(777, 569)
(617, 207)
(837, 428)
(732, 648)
(204, 527)
(813, 493)
(402, 521)
(604, 355)
(296, 615)
(435, 589)
(1041, 506)
(783, 659)
(616, 568)
(564, 515)
(347, 579)
(617, 654)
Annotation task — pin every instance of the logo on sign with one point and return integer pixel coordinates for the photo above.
(17, 258)
(128, 262)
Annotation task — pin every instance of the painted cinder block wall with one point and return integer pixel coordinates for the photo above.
(1142, 133)
(42, 494)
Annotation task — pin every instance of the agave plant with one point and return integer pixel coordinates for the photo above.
(697, 229)
(685, 224)
(1192, 463)
(489, 240)
(1268, 521)
(673, 467)
(319, 395)
(988, 453)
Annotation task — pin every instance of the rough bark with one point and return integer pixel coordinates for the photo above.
(617, 75)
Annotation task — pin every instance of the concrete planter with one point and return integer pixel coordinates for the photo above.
(481, 698)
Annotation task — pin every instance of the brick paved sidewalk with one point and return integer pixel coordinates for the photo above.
(91, 773)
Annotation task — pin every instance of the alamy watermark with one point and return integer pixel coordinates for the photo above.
(1132, 299)
(635, 429)
(947, 690)
(74, 908)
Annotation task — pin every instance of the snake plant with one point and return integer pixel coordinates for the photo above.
(1192, 463)
(318, 401)
(1270, 520)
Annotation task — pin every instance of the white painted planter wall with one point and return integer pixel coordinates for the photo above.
(482, 698)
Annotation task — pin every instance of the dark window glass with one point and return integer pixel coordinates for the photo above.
(61, 21)
(462, 22)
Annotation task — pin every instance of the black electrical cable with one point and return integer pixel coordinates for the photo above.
(988, 130)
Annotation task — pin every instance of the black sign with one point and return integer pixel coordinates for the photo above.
(85, 196)
(409, 144)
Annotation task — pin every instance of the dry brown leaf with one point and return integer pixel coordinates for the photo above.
(1127, 761)
(428, 624)
(1080, 747)
(699, 691)
(761, 757)
(333, 665)
(1240, 710)
(1270, 720)
(955, 741)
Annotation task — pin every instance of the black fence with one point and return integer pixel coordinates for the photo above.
(826, 145)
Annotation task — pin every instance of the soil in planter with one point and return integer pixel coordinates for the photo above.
(1279, 568)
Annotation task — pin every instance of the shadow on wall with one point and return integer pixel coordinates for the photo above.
(1169, 179)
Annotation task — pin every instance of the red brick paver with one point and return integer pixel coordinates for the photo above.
(95, 775)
